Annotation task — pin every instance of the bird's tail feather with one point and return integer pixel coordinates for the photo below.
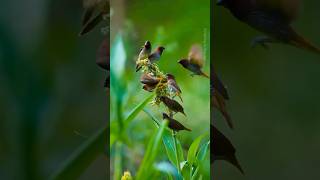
(300, 42)
(204, 75)
(233, 160)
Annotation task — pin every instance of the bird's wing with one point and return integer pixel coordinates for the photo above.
(219, 86)
(221, 144)
(288, 9)
(175, 85)
(195, 55)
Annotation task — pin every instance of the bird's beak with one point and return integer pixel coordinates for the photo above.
(220, 2)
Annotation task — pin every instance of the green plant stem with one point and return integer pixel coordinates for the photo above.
(177, 152)
(117, 162)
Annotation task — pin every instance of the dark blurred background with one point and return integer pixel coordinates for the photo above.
(51, 92)
(274, 100)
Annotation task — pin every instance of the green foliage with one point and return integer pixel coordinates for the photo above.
(151, 153)
(82, 157)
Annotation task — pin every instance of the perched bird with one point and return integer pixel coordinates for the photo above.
(144, 53)
(174, 124)
(172, 105)
(93, 14)
(173, 86)
(149, 79)
(148, 88)
(222, 149)
(155, 56)
(273, 18)
(194, 62)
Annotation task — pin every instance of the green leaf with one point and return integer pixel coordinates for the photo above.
(168, 142)
(137, 109)
(203, 151)
(168, 168)
(180, 151)
(194, 149)
(185, 170)
(75, 165)
(145, 169)
(156, 121)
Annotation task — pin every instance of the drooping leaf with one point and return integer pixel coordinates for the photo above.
(137, 109)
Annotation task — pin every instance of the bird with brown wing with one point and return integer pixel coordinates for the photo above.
(172, 105)
(174, 124)
(273, 18)
(144, 54)
(173, 86)
(94, 12)
(195, 61)
(222, 149)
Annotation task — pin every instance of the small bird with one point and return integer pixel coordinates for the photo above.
(149, 80)
(148, 88)
(173, 86)
(155, 56)
(99, 8)
(174, 124)
(194, 62)
(172, 105)
(222, 149)
(273, 18)
(144, 53)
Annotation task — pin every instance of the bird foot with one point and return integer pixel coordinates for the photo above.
(261, 40)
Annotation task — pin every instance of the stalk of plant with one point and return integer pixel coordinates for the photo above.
(165, 88)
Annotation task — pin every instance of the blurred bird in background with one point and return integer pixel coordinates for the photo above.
(222, 149)
(219, 95)
(272, 17)
(195, 61)
(94, 12)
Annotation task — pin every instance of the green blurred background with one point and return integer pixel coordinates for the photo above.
(51, 92)
(176, 25)
(274, 100)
